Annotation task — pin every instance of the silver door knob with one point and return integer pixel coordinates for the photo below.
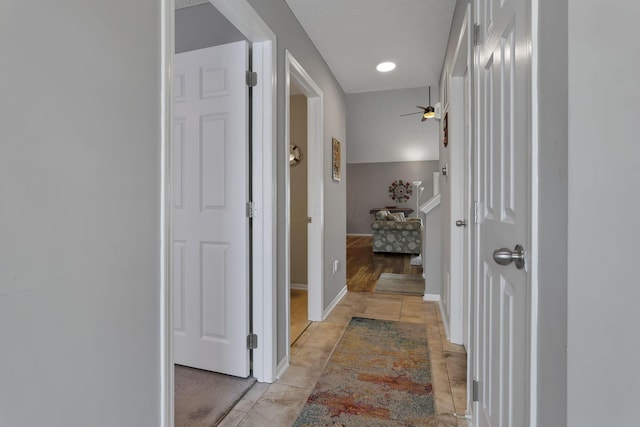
(461, 223)
(504, 256)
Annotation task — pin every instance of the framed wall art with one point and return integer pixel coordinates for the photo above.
(335, 159)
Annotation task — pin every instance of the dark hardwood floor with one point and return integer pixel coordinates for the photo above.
(364, 267)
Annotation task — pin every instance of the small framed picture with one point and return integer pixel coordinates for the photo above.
(335, 149)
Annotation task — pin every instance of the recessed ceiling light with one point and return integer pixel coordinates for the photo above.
(383, 67)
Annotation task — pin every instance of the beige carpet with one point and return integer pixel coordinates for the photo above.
(406, 284)
(203, 398)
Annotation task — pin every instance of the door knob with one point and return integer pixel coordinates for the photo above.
(504, 256)
(461, 223)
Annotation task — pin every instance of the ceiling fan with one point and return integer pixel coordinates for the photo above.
(427, 112)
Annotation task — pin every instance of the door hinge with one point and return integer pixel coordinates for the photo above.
(252, 341)
(250, 210)
(252, 78)
(475, 391)
(476, 34)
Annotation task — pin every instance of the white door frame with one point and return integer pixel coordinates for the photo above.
(248, 22)
(294, 72)
(459, 189)
(462, 311)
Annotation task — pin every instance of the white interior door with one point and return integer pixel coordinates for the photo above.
(503, 65)
(210, 187)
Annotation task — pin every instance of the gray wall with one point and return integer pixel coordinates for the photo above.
(80, 191)
(552, 215)
(203, 26)
(292, 37)
(368, 188)
(298, 196)
(377, 132)
(604, 152)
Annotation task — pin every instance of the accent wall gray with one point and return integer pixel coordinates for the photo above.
(368, 188)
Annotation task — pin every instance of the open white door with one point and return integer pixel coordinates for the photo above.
(502, 298)
(210, 257)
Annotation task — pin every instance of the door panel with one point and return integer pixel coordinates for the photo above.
(210, 227)
(503, 67)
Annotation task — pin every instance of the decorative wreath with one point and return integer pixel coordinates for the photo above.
(400, 191)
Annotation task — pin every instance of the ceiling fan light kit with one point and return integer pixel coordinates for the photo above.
(427, 112)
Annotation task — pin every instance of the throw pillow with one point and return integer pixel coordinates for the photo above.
(398, 217)
(382, 215)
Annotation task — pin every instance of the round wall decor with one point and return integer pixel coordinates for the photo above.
(400, 191)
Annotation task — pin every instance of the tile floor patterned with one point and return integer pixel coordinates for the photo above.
(278, 404)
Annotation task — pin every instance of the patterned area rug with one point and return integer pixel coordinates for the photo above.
(379, 375)
(407, 284)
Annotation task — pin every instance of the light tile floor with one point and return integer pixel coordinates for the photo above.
(278, 404)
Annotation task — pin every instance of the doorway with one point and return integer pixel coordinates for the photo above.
(298, 184)
(303, 85)
(262, 274)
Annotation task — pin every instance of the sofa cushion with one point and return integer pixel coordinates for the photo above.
(395, 225)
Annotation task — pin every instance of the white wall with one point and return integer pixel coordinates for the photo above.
(292, 37)
(80, 190)
(604, 152)
(377, 133)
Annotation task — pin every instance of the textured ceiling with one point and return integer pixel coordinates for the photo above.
(354, 36)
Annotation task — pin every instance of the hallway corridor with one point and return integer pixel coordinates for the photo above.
(279, 404)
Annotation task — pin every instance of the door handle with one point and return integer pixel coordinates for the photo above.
(461, 223)
(505, 256)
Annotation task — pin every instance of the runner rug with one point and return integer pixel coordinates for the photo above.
(379, 375)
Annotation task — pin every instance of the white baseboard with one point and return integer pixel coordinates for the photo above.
(431, 297)
(358, 234)
(438, 299)
(335, 302)
(300, 286)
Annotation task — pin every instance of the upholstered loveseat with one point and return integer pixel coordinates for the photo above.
(394, 233)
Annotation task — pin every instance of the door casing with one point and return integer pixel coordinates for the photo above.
(250, 24)
(294, 72)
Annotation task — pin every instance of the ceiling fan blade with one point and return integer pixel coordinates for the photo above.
(424, 108)
(411, 114)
